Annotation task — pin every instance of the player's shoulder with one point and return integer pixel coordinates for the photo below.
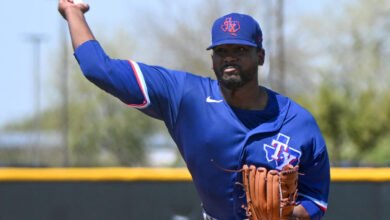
(200, 77)
(301, 111)
(304, 121)
(295, 111)
(197, 81)
(299, 118)
(176, 72)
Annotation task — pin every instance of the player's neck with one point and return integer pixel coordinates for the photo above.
(250, 97)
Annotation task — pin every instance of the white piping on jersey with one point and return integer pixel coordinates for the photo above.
(323, 205)
(142, 85)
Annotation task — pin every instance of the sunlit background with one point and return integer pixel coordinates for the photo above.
(332, 57)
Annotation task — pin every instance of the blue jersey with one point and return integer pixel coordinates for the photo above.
(210, 136)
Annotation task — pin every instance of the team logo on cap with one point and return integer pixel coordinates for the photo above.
(230, 26)
(281, 153)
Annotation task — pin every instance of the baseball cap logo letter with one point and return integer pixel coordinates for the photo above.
(236, 28)
(230, 26)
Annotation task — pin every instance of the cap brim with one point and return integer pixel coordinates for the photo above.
(230, 41)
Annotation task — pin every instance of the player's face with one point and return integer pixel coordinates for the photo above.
(236, 65)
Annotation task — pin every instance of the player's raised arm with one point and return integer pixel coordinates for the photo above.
(74, 13)
(121, 78)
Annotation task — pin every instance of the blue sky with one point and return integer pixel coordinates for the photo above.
(19, 20)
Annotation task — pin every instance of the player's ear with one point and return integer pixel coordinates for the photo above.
(212, 60)
(261, 56)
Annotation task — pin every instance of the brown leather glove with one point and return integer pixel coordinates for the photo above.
(270, 195)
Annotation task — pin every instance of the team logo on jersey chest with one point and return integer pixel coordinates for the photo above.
(280, 152)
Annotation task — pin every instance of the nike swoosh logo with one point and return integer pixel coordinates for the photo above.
(210, 100)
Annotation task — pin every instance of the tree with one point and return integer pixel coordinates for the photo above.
(352, 105)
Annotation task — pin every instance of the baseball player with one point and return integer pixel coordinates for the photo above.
(218, 125)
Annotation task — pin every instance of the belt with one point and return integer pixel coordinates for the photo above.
(208, 217)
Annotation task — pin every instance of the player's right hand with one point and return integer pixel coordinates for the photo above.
(65, 6)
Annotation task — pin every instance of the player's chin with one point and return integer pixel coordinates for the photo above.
(231, 83)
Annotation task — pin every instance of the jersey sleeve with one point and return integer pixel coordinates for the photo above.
(314, 185)
(154, 90)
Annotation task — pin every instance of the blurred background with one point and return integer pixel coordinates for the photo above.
(331, 57)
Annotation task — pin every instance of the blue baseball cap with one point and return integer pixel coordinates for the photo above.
(235, 28)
